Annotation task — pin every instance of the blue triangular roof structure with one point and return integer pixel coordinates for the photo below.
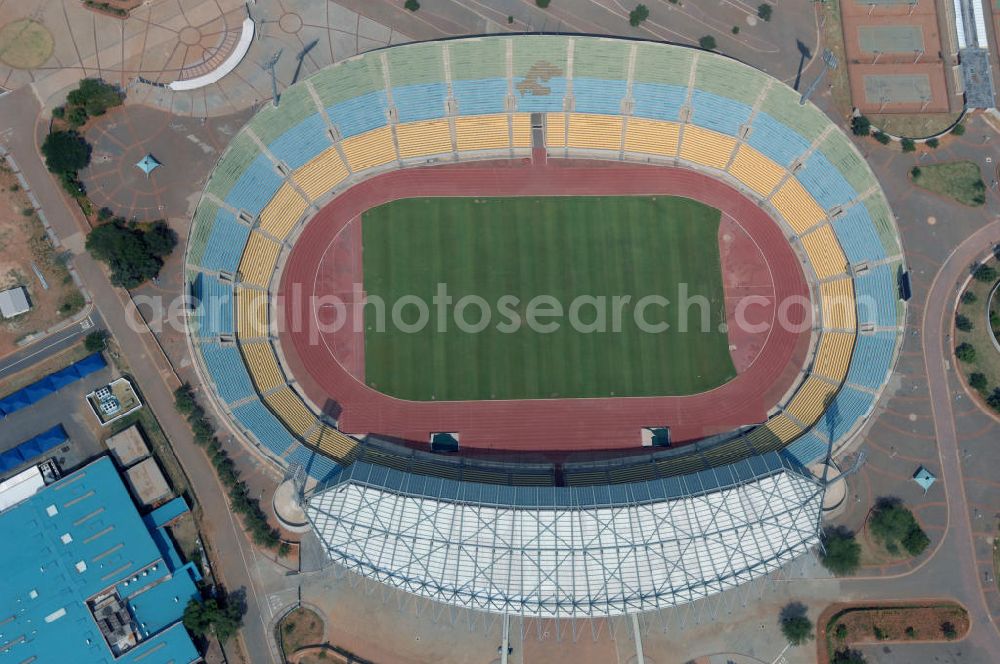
(924, 478)
(147, 164)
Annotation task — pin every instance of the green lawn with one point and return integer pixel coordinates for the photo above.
(559, 246)
(959, 180)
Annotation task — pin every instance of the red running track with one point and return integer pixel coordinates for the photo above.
(544, 424)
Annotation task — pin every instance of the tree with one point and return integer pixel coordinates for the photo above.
(978, 382)
(893, 524)
(220, 617)
(882, 137)
(842, 552)
(993, 401)
(985, 273)
(764, 11)
(915, 172)
(958, 129)
(932, 143)
(638, 15)
(908, 145)
(65, 152)
(184, 400)
(861, 125)
(411, 5)
(968, 297)
(963, 322)
(95, 96)
(965, 352)
(736, 30)
(848, 656)
(795, 625)
(96, 341)
(543, 3)
(949, 631)
(707, 42)
(134, 255)
(840, 631)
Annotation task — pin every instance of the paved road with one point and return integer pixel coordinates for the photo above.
(50, 345)
(19, 111)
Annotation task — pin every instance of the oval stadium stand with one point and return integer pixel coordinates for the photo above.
(472, 99)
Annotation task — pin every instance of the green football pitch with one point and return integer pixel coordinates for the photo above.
(499, 249)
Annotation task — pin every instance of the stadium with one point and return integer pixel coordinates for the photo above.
(555, 475)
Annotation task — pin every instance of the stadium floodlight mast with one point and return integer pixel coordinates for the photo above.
(269, 65)
(829, 62)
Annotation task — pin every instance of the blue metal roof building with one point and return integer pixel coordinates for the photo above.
(80, 543)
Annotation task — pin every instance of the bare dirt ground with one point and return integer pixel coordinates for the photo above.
(22, 243)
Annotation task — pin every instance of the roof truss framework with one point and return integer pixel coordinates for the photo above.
(569, 561)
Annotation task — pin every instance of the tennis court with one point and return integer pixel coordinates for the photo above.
(891, 39)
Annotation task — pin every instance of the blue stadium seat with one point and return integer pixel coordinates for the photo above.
(718, 113)
(847, 408)
(871, 359)
(226, 368)
(225, 243)
(858, 236)
(774, 140)
(658, 102)
(302, 142)
(806, 449)
(264, 426)
(480, 97)
(824, 182)
(593, 95)
(255, 187)
(422, 101)
(877, 294)
(318, 466)
(215, 306)
(531, 100)
(360, 114)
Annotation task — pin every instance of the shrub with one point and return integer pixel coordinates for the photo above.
(638, 15)
(96, 341)
(842, 553)
(968, 297)
(764, 11)
(879, 633)
(915, 172)
(910, 632)
(707, 42)
(985, 273)
(963, 322)
(958, 129)
(931, 143)
(65, 152)
(861, 125)
(840, 631)
(543, 3)
(411, 5)
(993, 401)
(72, 303)
(977, 381)
(736, 30)
(965, 352)
(848, 656)
(882, 137)
(949, 631)
(908, 145)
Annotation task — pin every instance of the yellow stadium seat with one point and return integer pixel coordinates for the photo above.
(839, 309)
(483, 132)
(783, 427)
(251, 313)
(521, 126)
(323, 172)
(601, 132)
(756, 171)
(284, 210)
(263, 365)
(811, 400)
(797, 206)
(555, 130)
(824, 252)
(834, 355)
(423, 139)
(370, 149)
(332, 442)
(259, 257)
(706, 147)
(289, 408)
(652, 137)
